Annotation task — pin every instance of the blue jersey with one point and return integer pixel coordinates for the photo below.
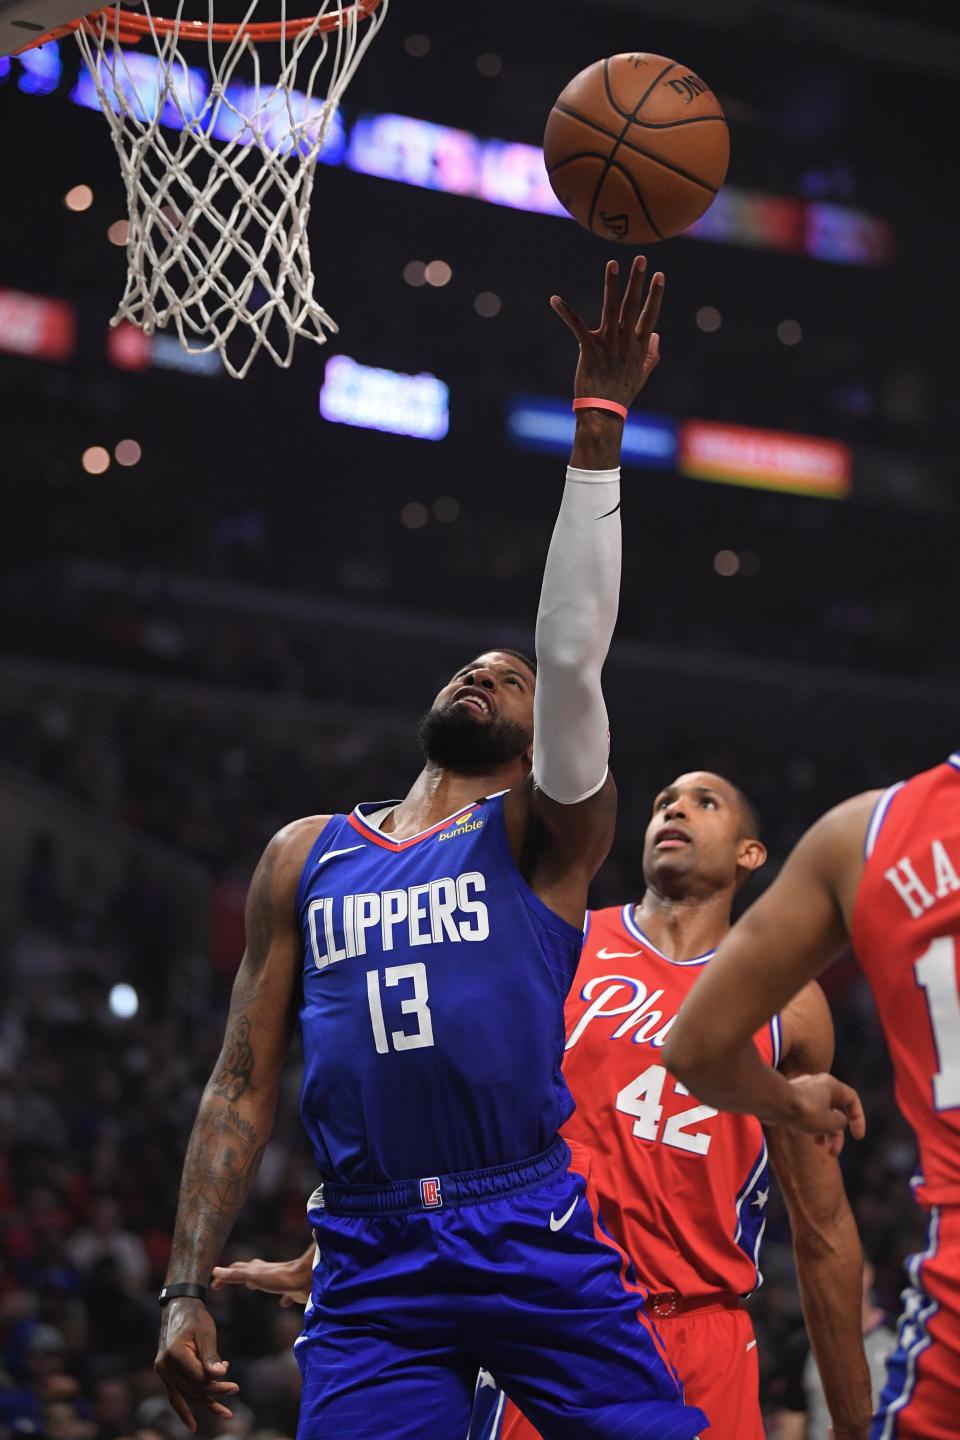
(433, 989)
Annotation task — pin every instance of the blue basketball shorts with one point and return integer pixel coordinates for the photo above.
(419, 1284)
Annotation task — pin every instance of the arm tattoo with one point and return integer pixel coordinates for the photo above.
(226, 1147)
(222, 1161)
(235, 1066)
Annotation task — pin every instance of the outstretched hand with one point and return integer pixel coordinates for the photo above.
(618, 358)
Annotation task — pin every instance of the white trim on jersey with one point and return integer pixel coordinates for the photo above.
(954, 760)
(913, 1335)
(631, 925)
(748, 1189)
(490, 1425)
(751, 1193)
(878, 817)
(374, 821)
(776, 1035)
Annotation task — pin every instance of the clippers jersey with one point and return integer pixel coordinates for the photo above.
(683, 1188)
(906, 935)
(432, 1009)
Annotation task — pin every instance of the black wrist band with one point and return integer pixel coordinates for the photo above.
(182, 1292)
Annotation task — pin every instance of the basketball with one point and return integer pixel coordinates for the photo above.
(636, 148)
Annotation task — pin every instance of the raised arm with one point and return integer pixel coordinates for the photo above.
(826, 1244)
(234, 1122)
(571, 803)
(792, 933)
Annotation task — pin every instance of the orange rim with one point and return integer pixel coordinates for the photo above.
(130, 28)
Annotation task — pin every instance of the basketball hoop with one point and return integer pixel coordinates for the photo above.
(219, 170)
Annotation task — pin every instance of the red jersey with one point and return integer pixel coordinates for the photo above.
(683, 1188)
(906, 934)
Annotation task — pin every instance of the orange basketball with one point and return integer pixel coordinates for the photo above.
(636, 147)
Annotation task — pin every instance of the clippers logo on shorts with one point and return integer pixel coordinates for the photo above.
(430, 1197)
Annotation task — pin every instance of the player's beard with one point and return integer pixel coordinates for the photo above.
(456, 740)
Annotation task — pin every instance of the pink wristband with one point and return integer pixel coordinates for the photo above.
(593, 403)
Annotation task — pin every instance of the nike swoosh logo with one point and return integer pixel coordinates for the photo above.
(556, 1224)
(332, 854)
(606, 954)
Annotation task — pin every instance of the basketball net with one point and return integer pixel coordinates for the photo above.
(219, 169)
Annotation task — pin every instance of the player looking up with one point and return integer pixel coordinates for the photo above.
(429, 944)
(682, 1188)
(881, 870)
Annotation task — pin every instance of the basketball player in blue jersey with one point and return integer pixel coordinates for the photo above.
(428, 945)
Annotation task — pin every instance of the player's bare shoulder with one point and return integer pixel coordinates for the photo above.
(835, 847)
(274, 884)
(294, 841)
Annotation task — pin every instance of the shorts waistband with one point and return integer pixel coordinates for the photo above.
(665, 1305)
(438, 1192)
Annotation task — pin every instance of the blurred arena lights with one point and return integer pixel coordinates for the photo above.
(127, 453)
(489, 65)
(40, 69)
(95, 460)
(36, 325)
(124, 1001)
(78, 198)
(414, 515)
(789, 332)
(376, 399)
(709, 319)
(128, 348)
(118, 232)
(765, 459)
(440, 157)
(415, 273)
(488, 304)
(726, 562)
(699, 449)
(417, 46)
(446, 509)
(438, 273)
(546, 423)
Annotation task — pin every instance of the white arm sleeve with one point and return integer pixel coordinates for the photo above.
(578, 610)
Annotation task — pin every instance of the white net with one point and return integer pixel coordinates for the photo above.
(219, 164)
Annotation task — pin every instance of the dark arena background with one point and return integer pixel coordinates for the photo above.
(225, 604)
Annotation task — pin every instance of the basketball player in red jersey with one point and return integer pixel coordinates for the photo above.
(683, 1189)
(881, 870)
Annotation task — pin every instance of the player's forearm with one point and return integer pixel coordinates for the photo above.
(830, 1273)
(576, 618)
(223, 1157)
(597, 440)
(731, 1079)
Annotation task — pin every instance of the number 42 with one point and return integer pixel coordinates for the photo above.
(642, 1098)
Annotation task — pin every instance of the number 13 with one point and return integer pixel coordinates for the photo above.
(416, 1004)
